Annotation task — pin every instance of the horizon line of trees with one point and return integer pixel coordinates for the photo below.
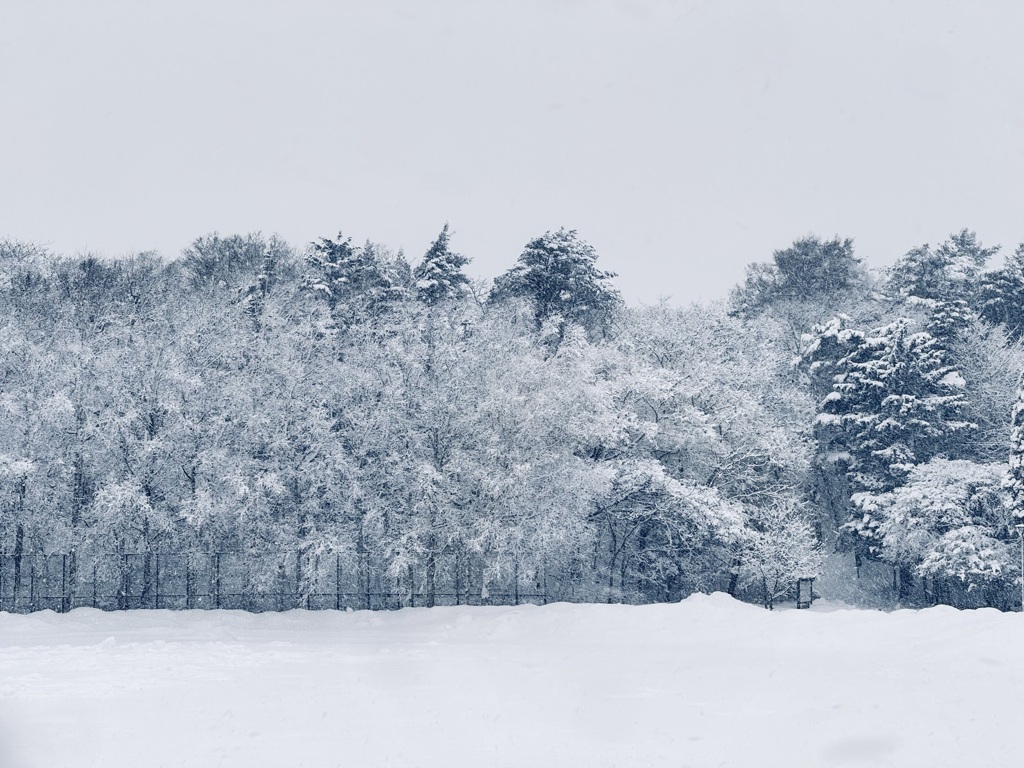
(341, 408)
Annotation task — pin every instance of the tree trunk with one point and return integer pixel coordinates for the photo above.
(302, 572)
(146, 598)
(364, 563)
(19, 552)
(613, 555)
(71, 587)
(458, 574)
(122, 597)
(622, 576)
(906, 582)
(431, 565)
(431, 579)
(734, 578)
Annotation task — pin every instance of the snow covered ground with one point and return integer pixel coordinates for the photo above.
(706, 682)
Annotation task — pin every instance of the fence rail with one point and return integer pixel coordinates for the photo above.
(199, 580)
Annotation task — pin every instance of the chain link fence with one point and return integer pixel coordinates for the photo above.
(230, 580)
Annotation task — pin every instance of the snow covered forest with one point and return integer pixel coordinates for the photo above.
(346, 426)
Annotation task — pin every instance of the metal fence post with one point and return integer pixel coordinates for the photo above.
(65, 601)
(366, 579)
(458, 573)
(72, 577)
(126, 582)
(216, 583)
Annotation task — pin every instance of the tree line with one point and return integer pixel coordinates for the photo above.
(340, 410)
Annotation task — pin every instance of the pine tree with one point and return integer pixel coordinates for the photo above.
(949, 522)
(894, 402)
(355, 282)
(947, 273)
(1001, 298)
(810, 269)
(557, 274)
(947, 319)
(1016, 478)
(439, 277)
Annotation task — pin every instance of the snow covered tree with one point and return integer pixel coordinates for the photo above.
(892, 403)
(231, 262)
(990, 365)
(810, 269)
(947, 319)
(719, 409)
(804, 284)
(357, 283)
(557, 273)
(724, 409)
(442, 447)
(946, 273)
(660, 534)
(950, 521)
(778, 548)
(439, 276)
(1001, 295)
(1015, 480)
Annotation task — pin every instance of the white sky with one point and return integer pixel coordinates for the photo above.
(683, 140)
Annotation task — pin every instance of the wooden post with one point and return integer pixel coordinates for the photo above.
(337, 581)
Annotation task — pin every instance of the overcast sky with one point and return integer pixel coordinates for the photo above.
(682, 139)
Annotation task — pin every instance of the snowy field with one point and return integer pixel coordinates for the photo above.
(706, 682)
